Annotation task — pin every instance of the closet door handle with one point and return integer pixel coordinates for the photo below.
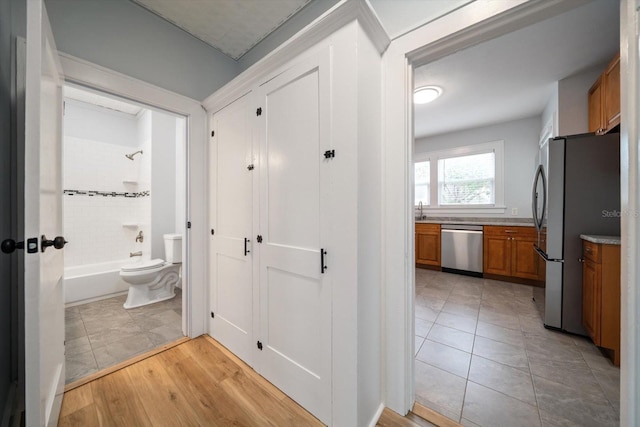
(322, 266)
(246, 251)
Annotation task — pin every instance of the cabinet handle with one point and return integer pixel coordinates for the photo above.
(510, 231)
(580, 259)
(587, 249)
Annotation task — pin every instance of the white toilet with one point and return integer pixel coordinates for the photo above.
(154, 280)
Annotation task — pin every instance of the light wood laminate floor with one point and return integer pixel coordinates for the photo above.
(197, 383)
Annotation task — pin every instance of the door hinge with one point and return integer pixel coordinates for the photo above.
(188, 224)
(259, 238)
(250, 167)
(259, 345)
(259, 111)
(329, 154)
(212, 315)
(213, 133)
(213, 232)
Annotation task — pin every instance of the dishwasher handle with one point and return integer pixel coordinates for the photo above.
(461, 231)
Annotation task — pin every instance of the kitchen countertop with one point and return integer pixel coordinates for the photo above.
(509, 222)
(605, 240)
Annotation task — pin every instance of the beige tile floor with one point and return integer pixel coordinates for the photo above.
(102, 333)
(484, 358)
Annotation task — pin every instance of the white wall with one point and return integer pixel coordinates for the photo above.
(163, 180)
(369, 230)
(568, 105)
(402, 16)
(122, 36)
(181, 175)
(550, 112)
(86, 121)
(520, 150)
(573, 101)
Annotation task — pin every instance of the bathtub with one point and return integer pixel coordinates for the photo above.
(86, 283)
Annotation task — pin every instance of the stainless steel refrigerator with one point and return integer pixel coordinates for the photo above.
(576, 190)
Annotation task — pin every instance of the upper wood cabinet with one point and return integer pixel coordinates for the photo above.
(595, 106)
(428, 245)
(509, 252)
(611, 82)
(604, 99)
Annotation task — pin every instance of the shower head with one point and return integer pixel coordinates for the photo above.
(130, 156)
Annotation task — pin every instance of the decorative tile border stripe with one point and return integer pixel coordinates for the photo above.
(92, 193)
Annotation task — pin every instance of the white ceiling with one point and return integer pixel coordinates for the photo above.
(231, 26)
(512, 76)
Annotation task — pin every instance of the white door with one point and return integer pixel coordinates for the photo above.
(295, 289)
(231, 278)
(43, 285)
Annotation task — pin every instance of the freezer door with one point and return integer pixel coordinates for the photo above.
(553, 295)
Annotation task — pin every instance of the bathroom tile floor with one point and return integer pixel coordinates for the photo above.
(102, 333)
(484, 358)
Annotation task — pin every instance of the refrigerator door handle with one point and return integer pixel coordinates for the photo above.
(534, 197)
(544, 256)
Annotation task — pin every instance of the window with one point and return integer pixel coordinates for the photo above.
(422, 178)
(469, 178)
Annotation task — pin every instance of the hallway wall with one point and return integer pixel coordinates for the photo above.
(122, 36)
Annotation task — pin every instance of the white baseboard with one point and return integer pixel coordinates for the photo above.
(376, 416)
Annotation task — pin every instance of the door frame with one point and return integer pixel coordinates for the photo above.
(630, 206)
(469, 25)
(84, 73)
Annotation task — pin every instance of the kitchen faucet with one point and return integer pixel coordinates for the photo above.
(420, 205)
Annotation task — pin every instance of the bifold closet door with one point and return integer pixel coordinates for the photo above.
(295, 289)
(231, 278)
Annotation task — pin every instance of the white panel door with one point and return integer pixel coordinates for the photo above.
(295, 292)
(44, 295)
(231, 240)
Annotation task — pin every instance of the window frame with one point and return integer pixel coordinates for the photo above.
(497, 147)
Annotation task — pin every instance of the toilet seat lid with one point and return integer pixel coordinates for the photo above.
(144, 265)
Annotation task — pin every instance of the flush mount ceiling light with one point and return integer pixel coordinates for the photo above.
(426, 94)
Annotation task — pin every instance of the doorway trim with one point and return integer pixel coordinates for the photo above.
(93, 76)
(469, 25)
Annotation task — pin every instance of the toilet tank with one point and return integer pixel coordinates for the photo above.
(173, 248)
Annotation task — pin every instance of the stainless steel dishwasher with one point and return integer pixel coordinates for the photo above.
(461, 249)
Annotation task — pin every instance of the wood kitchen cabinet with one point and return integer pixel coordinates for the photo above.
(508, 252)
(595, 107)
(604, 99)
(601, 295)
(428, 245)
